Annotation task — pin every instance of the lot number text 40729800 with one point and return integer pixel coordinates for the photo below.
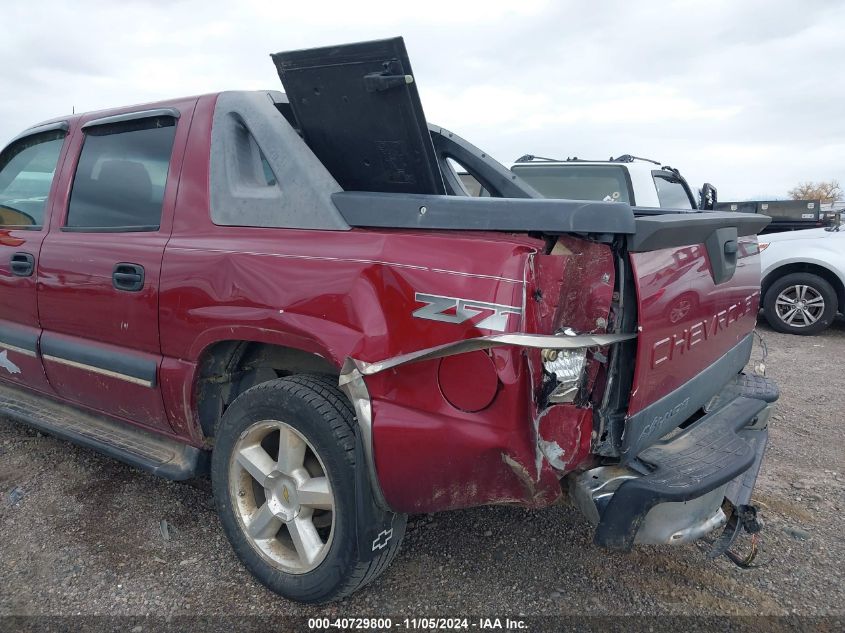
(425, 623)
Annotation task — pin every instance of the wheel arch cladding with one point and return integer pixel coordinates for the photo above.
(228, 368)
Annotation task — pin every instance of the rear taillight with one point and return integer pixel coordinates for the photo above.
(566, 367)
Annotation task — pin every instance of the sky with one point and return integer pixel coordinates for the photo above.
(749, 96)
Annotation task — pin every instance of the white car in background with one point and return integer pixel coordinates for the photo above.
(803, 284)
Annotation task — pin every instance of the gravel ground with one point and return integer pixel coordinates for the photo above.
(85, 538)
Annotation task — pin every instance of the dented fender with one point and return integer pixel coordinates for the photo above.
(357, 294)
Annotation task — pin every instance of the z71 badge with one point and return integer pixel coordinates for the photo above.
(457, 310)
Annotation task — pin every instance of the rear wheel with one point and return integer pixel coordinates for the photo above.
(283, 473)
(800, 303)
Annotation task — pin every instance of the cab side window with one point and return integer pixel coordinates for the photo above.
(671, 192)
(27, 168)
(121, 176)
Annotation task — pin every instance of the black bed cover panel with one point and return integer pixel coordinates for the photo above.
(358, 110)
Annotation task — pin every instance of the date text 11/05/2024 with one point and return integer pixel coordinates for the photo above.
(428, 623)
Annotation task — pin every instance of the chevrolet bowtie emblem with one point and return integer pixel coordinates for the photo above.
(382, 539)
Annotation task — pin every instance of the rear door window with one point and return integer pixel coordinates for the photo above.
(122, 173)
(671, 192)
(609, 183)
(27, 168)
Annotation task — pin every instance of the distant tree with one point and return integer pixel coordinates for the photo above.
(826, 191)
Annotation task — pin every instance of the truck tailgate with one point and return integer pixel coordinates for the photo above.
(694, 333)
(686, 322)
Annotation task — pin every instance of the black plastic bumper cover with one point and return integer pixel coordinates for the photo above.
(708, 454)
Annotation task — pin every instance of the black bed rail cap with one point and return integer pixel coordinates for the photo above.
(666, 230)
(513, 215)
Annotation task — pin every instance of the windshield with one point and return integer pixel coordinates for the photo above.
(607, 183)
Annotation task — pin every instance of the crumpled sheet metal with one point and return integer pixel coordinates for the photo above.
(544, 341)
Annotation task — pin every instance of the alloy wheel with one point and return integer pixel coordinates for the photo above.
(282, 496)
(799, 305)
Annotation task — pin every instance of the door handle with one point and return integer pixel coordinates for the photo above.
(23, 264)
(128, 277)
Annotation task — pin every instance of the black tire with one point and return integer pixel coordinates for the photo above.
(818, 285)
(316, 408)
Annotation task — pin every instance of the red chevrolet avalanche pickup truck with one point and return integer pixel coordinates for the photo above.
(293, 293)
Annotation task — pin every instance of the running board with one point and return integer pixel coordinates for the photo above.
(154, 453)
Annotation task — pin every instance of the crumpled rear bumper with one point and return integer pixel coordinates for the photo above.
(673, 492)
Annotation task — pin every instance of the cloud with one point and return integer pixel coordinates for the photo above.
(746, 95)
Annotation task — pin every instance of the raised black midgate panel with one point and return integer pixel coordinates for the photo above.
(358, 109)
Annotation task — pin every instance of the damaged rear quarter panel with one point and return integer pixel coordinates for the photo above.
(433, 457)
(563, 435)
(337, 294)
(342, 294)
(356, 298)
(583, 275)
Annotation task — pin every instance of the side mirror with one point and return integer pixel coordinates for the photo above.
(707, 197)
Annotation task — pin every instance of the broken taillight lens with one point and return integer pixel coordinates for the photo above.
(567, 368)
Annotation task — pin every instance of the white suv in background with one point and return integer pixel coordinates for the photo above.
(638, 181)
(803, 279)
